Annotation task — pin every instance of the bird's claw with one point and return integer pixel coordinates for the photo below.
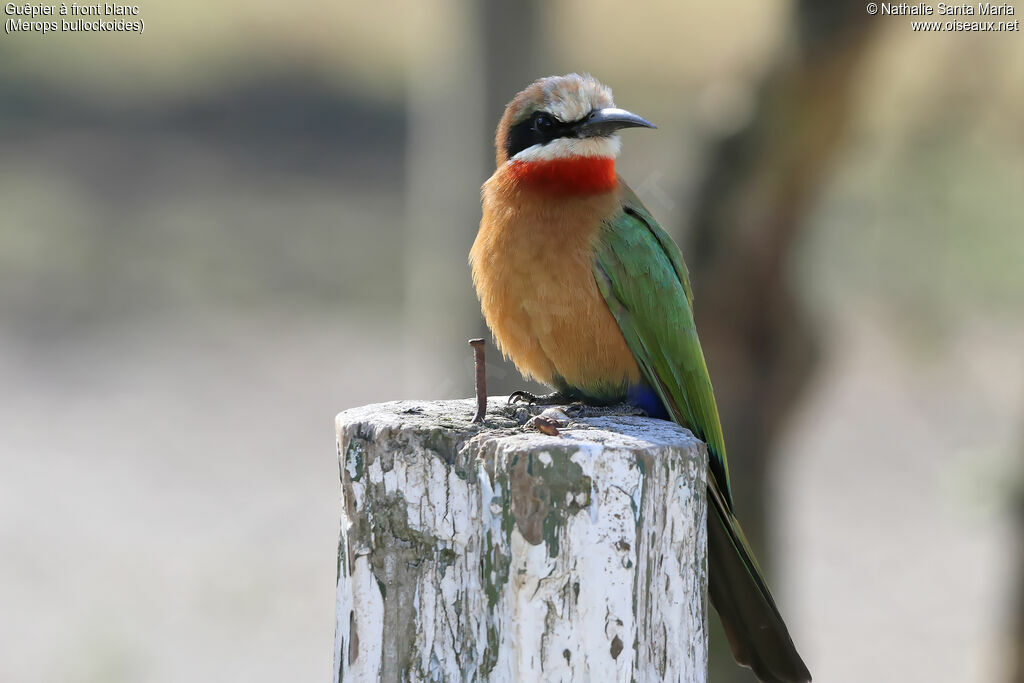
(552, 399)
(521, 397)
(575, 409)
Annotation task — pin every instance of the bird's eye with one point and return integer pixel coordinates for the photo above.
(543, 123)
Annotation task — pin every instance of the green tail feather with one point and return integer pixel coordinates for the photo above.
(757, 634)
(641, 276)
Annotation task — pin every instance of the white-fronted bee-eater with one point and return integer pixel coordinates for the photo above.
(585, 292)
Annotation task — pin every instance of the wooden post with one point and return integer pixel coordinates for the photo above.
(497, 553)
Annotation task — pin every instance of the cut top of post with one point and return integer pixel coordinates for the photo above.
(499, 552)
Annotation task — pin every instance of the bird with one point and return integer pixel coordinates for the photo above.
(586, 293)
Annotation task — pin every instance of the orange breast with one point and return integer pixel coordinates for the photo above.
(532, 268)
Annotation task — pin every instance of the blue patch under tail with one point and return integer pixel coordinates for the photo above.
(644, 397)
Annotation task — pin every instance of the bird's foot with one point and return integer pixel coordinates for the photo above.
(576, 409)
(552, 399)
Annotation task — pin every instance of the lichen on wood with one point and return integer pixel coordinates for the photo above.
(496, 553)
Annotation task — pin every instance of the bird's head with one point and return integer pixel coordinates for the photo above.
(562, 117)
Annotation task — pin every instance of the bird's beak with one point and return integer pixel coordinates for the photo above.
(609, 120)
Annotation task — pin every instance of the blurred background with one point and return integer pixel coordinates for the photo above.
(216, 235)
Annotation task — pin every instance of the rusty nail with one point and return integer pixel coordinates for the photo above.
(481, 379)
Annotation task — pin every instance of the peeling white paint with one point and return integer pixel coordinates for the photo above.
(605, 581)
(361, 599)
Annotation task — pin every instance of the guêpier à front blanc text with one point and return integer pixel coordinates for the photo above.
(72, 9)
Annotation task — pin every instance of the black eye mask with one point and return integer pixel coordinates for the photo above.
(539, 129)
(542, 127)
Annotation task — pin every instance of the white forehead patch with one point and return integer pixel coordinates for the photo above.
(606, 147)
(573, 96)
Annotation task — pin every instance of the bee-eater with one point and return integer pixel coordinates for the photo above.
(586, 293)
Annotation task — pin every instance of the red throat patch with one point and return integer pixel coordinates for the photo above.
(569, 176)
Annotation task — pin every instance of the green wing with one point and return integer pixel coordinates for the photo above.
(643, 279)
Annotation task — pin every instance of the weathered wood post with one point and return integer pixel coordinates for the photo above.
(497, 553)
